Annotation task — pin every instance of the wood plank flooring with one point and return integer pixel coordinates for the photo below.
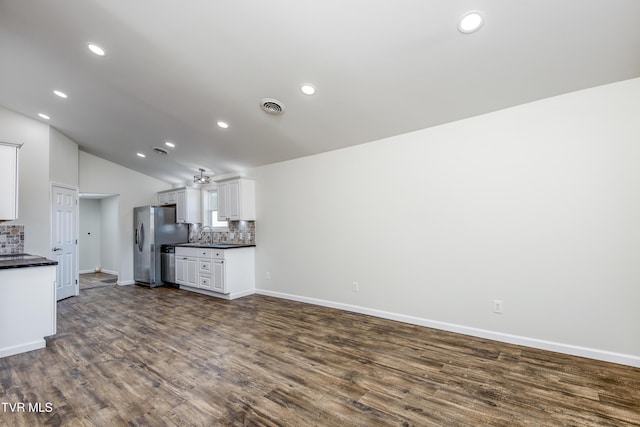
(95, 280)
(153, 357)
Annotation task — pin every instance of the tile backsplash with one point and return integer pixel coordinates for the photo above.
(11, 239)
(239, 232)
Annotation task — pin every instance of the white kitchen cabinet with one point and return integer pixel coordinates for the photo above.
(27, 308)
(187, 201)
(218, 284)
(236, 199)
(227, 274)
(181, 270)
(186, 269)
(167, 198)
(204, 272)
(8, 181)
(191, 268)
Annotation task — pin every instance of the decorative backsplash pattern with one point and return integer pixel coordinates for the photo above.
(240, 232)
(11, 239)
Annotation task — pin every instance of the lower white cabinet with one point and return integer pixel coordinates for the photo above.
(218, 277)
(225, 274)
(27, 308)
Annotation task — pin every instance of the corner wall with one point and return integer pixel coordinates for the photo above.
(536, 206)
(90, 235)
(134, 189)
(34, 189)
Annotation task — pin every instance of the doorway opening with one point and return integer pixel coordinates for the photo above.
(98, 239)
(97, 280)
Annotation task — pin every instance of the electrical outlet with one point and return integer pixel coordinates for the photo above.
(268, 275)
(355, 287)
(497, 306)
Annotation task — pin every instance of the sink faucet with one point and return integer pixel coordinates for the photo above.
(208, 236)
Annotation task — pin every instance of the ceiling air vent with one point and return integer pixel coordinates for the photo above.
(272, 106)
(160, 151)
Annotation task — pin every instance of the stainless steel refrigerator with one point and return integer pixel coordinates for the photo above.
(154, 226)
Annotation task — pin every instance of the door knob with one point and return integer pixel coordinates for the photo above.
(56, 249)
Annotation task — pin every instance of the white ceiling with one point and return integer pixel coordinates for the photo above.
(381, 68)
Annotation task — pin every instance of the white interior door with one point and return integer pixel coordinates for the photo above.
(64, 242)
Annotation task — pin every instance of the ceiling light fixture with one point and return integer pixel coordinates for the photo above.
(44, 116)
(307, 89)
(223, 125)
(170, 144)
(201, 179)
(96, 49)
(470, 22)
(60, 94)
(140, 155)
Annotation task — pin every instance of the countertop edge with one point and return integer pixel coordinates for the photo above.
(32, 261)
(221, 246)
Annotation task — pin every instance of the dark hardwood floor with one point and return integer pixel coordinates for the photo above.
(152, 357)
(96, 280)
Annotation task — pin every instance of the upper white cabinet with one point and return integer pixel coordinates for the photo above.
(236, 199)
(187, 201)
(9, 181)
(167, 198)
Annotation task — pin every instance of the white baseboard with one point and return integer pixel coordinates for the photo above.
(230, 296)
(590, 353)
(17, 349)
(126, 282)
(115, 273)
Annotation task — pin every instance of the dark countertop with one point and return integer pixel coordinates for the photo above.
(214, 245)
(23, 260)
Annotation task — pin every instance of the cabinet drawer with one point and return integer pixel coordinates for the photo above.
(205, 282)
(204, 266)
(217, 254)
(193, 252)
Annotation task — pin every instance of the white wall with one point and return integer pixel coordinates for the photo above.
(134, 189)
(537, 206)
(34, 187)
(109, 210)
(63, 159)
(46, 156)
(90, 235)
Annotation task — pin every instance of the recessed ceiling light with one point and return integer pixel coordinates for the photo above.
(170, 144)
(60, 94)
(307, 89)
(96, 49)
(44, 116)
(140, 155)
(470, 22)
(223, 125)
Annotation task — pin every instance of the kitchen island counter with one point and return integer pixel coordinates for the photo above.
(23, 261)
(27, 302)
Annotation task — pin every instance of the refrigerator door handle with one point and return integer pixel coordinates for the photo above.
(140, 236)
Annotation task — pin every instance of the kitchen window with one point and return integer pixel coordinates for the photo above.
(212, 216)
